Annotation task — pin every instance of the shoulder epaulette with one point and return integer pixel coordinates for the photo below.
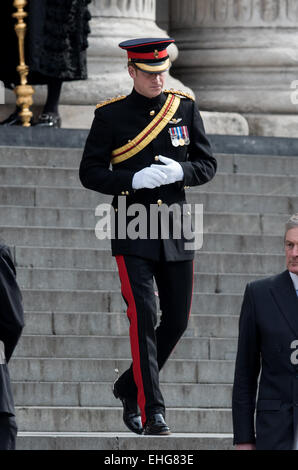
(180, 93)
(111, 100)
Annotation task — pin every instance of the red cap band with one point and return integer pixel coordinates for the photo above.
(148, 55)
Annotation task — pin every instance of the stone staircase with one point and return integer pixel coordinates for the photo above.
(76, 330)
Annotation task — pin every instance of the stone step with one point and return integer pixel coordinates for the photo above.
(81, 238)
(223, 348)
(116, 324)
(253, 184)
(122, 441)
(40, 156)
(118, 347)
(205, 261)
(212, 202)
(243, 203)
(72, 340)
(87, 370)
(270, 224)
(77, 279)
(111, 301)
(99, 394)
(109, 419)
(235, 183)
(39, 176)
(65, 157)
(48, 196)
(259, 164)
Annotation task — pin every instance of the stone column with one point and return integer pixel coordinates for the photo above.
(240, 56)
(112, 21)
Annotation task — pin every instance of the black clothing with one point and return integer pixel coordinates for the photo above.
(11, 325)
(54, 91)
(268, 324)
(116, 123)
(151, 347)
(168, 260)
(8, 432)
(55, 42)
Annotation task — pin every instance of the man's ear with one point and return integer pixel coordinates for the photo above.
(132, 71)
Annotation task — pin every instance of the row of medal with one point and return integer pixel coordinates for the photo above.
(179, 135)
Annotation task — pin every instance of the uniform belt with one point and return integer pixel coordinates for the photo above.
(149, 133)
(2, 353)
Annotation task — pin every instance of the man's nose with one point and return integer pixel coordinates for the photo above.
(156, 77)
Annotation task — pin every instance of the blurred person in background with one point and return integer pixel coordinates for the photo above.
(55, 50)
(11, 326)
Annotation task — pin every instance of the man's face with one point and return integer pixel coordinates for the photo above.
(291, 249)
(147, 84)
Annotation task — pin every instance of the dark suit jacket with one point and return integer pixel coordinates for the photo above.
(113, 126)
(268, 325)
(11, 324)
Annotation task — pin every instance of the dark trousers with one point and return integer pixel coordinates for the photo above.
(151, 346)
(8, 432)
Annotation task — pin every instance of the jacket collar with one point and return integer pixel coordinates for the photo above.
(144, 102)
(283, 291)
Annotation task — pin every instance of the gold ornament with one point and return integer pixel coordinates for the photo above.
(23, 91)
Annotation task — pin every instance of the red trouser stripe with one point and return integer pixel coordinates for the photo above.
(133, 333)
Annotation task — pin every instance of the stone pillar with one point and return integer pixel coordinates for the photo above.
(240, 56)
(112, 21)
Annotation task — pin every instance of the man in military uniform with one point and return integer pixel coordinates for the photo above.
(156, 143)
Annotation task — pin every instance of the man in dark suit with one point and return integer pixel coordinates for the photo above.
(11, 325)
(268, 330)
(156, 143)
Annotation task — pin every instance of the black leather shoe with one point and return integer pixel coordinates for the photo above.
(156, 425)
(13, 119)
(131, 415)
(49, 120)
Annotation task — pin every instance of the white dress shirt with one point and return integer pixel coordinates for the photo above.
(294, 278)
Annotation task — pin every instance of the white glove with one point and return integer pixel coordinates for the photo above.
(148, 178)
(172, 169)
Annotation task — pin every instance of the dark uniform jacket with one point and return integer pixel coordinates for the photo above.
(11, 324)
(114, 125)
(268, 325)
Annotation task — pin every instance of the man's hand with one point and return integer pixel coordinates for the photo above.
(148, 178)
(248, 446)
(172, 169)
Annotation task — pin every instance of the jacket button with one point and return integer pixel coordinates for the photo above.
(159, 202)
(152, 113)
(123, 193)
(156, 158)
(127, 193)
